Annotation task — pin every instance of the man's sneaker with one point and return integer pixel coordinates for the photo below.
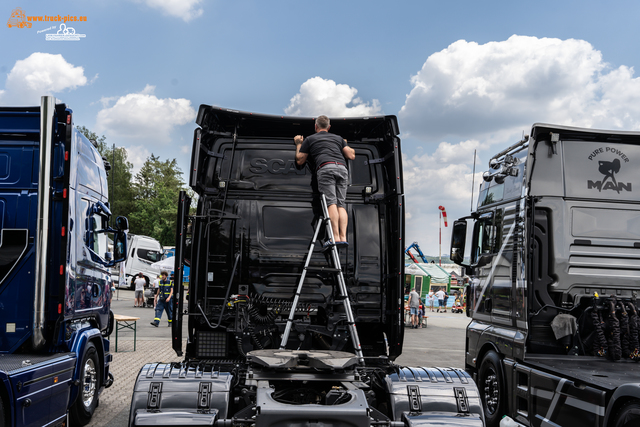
(154, 324)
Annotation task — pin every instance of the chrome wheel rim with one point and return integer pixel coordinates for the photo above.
(491, 391)
(89, 383)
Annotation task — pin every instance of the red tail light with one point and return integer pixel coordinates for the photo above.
(59, 308)
(63, 231)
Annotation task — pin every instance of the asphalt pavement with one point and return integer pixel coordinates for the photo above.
(441, 344)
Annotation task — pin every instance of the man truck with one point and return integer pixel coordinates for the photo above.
(54, 277)
(247, 244)
(555, 271)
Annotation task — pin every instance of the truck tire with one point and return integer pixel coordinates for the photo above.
(87, 401)
(3, 420)
(628, 415)
(491, 387)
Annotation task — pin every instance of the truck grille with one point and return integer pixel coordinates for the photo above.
(211, 344)
(609, 261)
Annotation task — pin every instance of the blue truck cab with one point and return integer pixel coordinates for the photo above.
(55, 254)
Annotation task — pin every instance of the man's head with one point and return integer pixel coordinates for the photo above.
(164, 274)
(322, 123)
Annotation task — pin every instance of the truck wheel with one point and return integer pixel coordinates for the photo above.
(2, 414)
(628, 415)
(87, 401)
(491, 387)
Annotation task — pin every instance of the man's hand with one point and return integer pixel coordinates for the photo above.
(168, 298)
(298, 139)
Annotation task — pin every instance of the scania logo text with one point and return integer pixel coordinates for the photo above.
(275, 166)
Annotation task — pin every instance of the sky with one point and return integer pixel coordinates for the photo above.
(459, 75)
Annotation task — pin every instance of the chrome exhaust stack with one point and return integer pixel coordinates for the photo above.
(47, 111)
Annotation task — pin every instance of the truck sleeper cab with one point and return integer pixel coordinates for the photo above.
(554, 262)
(246, 247)
(54, 282)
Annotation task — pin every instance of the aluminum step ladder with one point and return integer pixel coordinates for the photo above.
(336, 269)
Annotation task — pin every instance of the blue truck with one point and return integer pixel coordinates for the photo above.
(55, 256)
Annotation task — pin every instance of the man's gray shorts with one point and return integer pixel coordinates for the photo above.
(332, 182)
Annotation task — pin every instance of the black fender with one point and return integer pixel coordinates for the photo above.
(621, 395)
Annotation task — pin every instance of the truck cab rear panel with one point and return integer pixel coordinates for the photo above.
(252, 231)
(259, 207)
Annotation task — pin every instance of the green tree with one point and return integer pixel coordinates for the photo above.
(156, 189)
(121, 195)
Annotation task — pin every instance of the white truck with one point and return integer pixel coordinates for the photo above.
(143, 251)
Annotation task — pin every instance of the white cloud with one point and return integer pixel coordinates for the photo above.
(486, 96)
(40, 74)
(144, 116)
(319, 96)
(443, 178)
(184, 9)
(137, 155)
(469, 90)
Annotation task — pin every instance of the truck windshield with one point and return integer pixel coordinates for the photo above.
(149, 255)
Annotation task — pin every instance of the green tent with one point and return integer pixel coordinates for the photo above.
(426, 277)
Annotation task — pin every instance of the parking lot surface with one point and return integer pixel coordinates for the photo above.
(440, 344)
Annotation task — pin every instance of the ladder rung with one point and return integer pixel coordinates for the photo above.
(327, 269)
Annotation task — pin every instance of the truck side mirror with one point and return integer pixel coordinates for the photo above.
(458, 241)
(122, 223)
(120, 246)
(97, 231)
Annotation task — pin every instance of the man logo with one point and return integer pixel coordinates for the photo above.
(609, 170)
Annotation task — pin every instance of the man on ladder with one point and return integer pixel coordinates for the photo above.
(329, 153)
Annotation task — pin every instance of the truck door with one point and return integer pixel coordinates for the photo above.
(492, 259)
(90, 276)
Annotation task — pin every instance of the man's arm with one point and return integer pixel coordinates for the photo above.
(348, 152)
(301, 158)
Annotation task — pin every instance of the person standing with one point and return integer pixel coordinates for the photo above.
(414, 307)
(440, 296)
(163, 299)
(329, 153)
(139, 292)
(431, 298)
(156, 286)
